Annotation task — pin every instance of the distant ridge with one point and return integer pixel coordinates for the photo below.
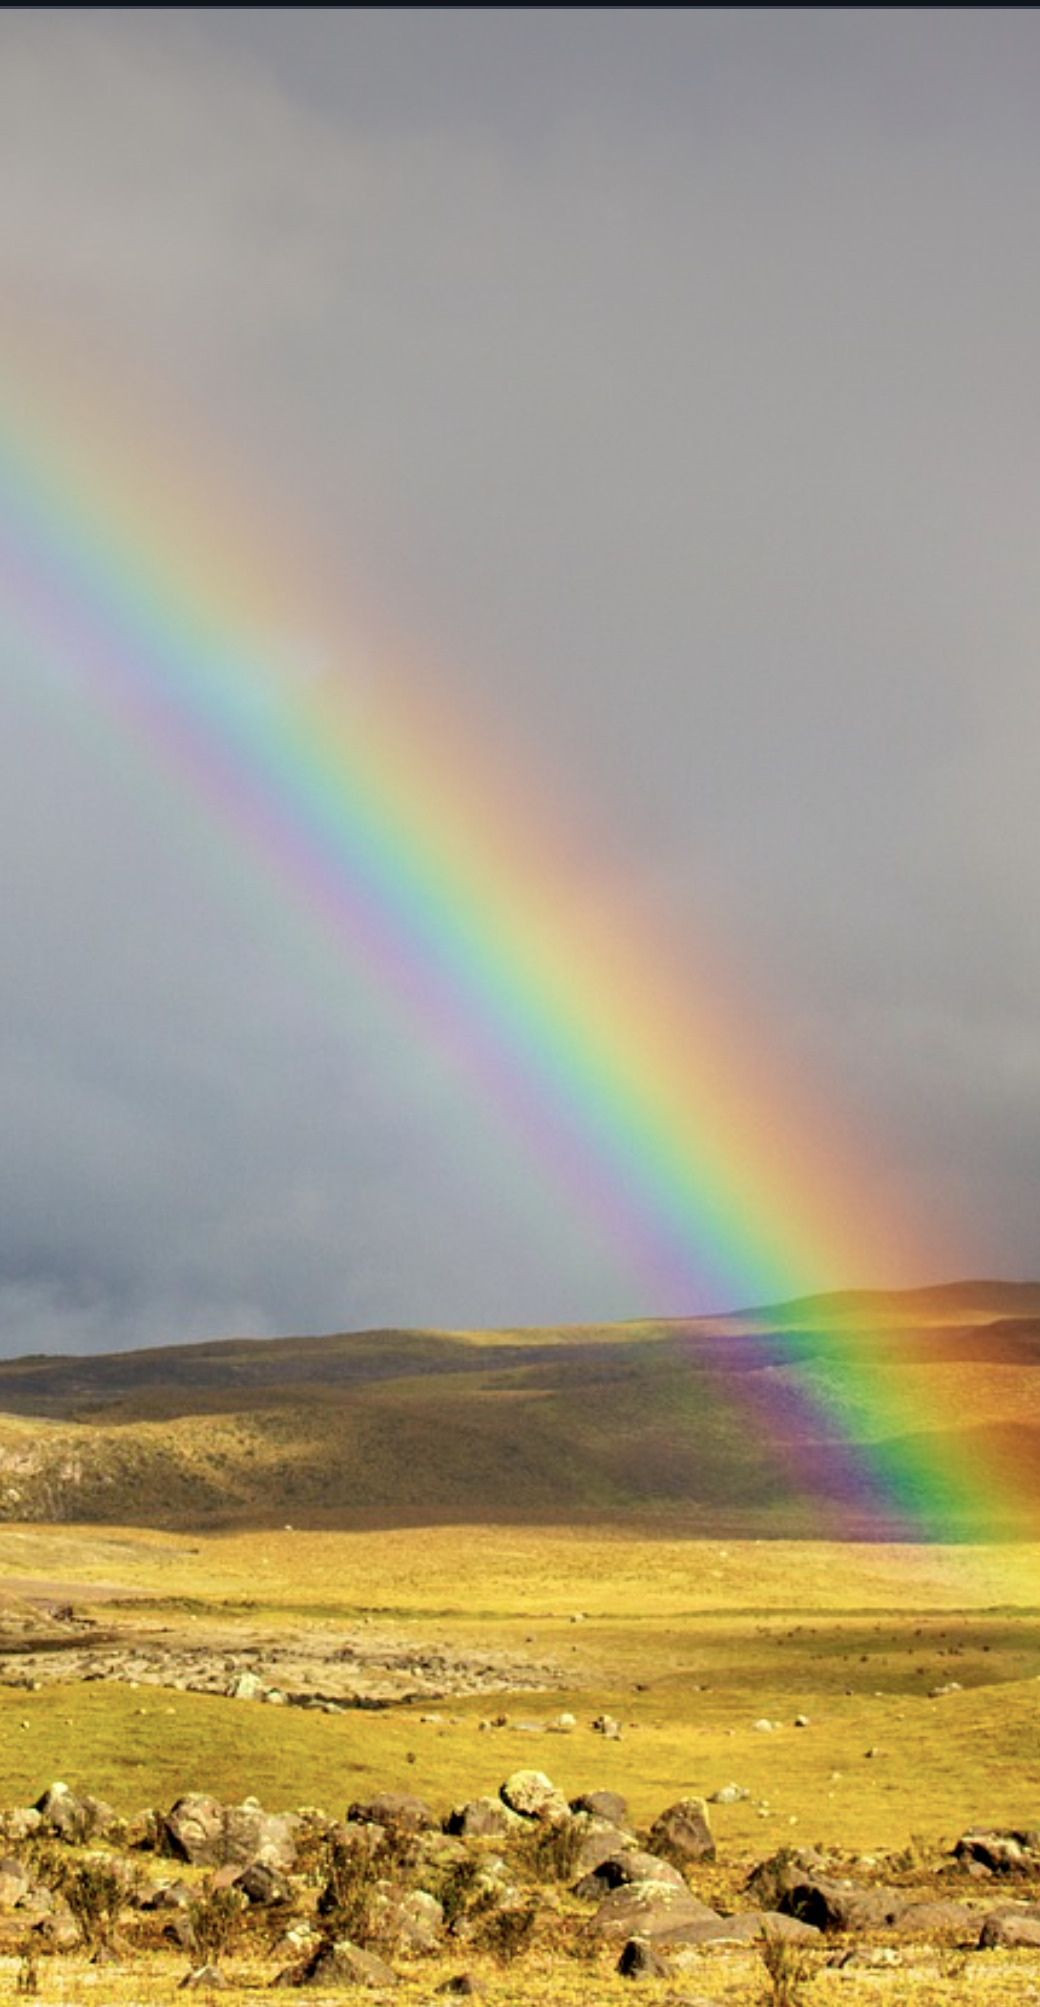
(655, 1418)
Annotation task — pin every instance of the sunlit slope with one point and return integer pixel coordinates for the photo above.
(692, 1422)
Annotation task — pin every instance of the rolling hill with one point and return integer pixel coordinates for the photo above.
(700, 1422)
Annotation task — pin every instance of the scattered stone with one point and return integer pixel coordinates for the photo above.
(605, 1724)
(730, 1794)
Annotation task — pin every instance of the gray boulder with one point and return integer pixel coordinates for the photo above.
(1003, 1853)
(647, 1909)
(394, 1808)
(200, 1830)
(623, 1866)
(481, 1819)
(682, 1833)
(1004, 1929)
(532, 1793)
(608, 1805)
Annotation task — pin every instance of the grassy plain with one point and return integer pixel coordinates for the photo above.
(687, 1643)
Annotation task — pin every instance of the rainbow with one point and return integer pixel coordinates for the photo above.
(631, 1081)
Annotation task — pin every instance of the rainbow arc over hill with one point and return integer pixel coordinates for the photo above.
(636, 1090)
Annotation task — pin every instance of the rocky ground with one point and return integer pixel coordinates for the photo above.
(304, 1900)
(47, 1640)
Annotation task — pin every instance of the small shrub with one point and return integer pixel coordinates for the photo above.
(28, 1977)
(789, 1967)
(505, 1932)
(550, 1853)
(214, 1919)
(458, 1890)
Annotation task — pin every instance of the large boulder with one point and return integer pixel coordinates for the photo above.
(608, 1805)
(648, 1909)
(531, 1793)
(1003, 1853)
(771, 1879)
(749, 1926)
(339, 1964)
(200, 1830)
(1004, 1929)
(623, 1866)
(843, 1905)
(482, 1819)
(71, 1817)
(682, 1833)
(394, 1809)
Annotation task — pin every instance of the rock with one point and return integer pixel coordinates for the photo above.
(263, 1885)
(639, 1960)
(461, 1984)
(411, 1922)
(482, 1819)
(339, 1964)
(749, 1926)
(608, 1805)
(771, 1879)
(200, 1830)
(209, 1976)
(682, 1832)
(936, 1919)
(562, 1724)
(1002, 1853)
(599, 1842)
(763, 1726)
(72, 1818)
(843, 1905)
(14, 1883)
(605, 1724)
(532, 1793)
(730, 1794)
(394, 1808)
(647, 1909)
(1004, 1929)
(623, 1866)
(246, 1687)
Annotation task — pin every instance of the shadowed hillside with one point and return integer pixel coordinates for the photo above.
(702, 1422)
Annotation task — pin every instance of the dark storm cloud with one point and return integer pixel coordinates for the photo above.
(665, 383)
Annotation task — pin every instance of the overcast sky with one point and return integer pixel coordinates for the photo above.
(669, 380)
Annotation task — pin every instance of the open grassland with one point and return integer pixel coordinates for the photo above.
(687, 1644)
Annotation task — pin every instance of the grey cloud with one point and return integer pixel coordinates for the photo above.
(663, 386)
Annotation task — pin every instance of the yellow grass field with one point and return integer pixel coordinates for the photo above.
(688, 1644)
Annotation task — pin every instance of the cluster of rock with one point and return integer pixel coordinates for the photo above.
(328, 1674)
(633, 1891)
